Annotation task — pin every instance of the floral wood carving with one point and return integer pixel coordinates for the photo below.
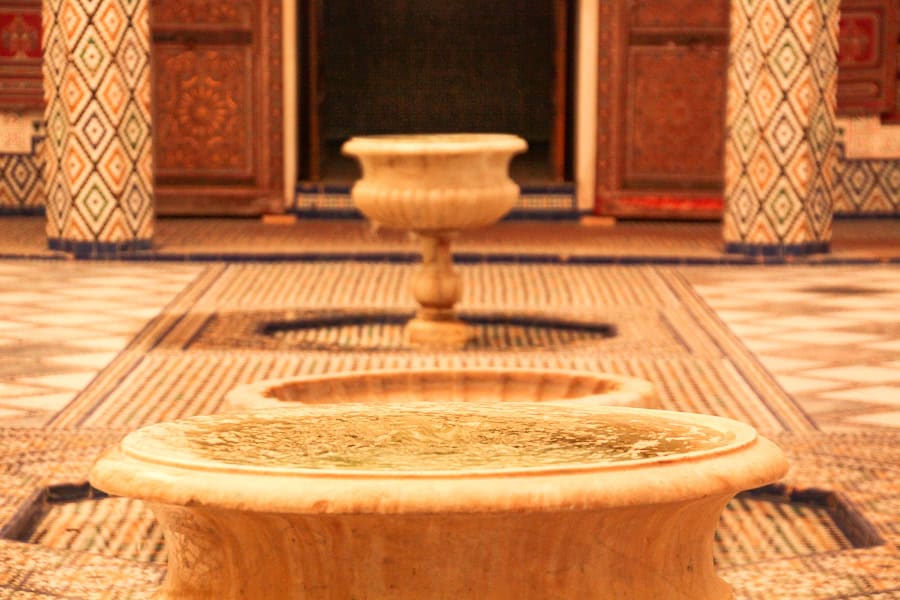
(20, 38)
(204, 109)
(679, 13)
(674, 114)
(202, 12)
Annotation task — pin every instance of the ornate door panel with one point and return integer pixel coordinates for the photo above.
(867, 58)
(673, 100)
(217, 106)
(21, 86)
(661, 107)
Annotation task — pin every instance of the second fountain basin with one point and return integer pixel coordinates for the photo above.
(446, 385)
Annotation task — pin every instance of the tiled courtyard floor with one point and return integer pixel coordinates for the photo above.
(854, 241)
(808, 354)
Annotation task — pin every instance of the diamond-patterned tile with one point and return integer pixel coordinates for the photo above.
(878, 394)
(787, 202)
(881, 419)
(858, 374)
(98, 54)
(826, 337)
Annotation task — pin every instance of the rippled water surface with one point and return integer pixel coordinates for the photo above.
(412, 437)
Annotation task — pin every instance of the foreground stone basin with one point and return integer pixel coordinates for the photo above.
(446, 385)
(417, 500)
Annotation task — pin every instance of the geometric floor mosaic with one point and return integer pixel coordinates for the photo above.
(832, 339)
(197, 330)
(61, 323)
(628, 242)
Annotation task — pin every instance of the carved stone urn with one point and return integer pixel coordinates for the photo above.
(435, 185)
(432, 500)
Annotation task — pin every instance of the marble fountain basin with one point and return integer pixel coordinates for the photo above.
(435, 182)
(425, 500)
(446, 385)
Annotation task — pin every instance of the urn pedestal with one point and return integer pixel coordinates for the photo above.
(435, 185)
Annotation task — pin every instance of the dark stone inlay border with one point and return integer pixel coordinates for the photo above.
(778, 250)
(858, 530)
(98, 249)
(536, 331)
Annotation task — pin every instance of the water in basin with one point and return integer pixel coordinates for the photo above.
(416, 437)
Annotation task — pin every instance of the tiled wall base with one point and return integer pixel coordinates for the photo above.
(21, 188)
(543, 202)
(778, 249)
(866, 187)
(98, 249)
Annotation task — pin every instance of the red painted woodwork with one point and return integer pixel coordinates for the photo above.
(217, 106)
(21, 84)
(867, 57)
(661, 106)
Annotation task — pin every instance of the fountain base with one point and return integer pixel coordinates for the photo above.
(646, 552)
(482, 500)
(438, 333)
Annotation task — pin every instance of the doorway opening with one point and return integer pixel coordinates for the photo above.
(404, 66)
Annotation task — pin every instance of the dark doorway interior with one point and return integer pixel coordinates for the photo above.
(416, 66)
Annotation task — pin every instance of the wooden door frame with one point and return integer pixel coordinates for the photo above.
(612, 194)
(263, 189)
(308, 127)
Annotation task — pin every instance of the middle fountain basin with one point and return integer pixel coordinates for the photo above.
(446, 385)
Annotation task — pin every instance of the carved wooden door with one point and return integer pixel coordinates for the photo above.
(217, 106)
(21, 86)
(867, 59)
(661, 107)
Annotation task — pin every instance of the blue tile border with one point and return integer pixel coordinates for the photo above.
(777, 250)
(118, 250)
(22, 211)
(464, 258)
(863, 215)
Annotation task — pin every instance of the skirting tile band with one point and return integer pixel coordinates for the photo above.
(778, 249)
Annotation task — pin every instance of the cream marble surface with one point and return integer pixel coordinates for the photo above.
(435, 185)
(446, 385)
(426, 501)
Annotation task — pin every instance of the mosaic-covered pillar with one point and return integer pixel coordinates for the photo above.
(780, 126)
(98, 159)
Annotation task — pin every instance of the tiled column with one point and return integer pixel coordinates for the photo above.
(98, 176)
(780, 127)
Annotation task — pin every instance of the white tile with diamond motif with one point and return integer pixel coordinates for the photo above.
(61, 323)
(829, 335)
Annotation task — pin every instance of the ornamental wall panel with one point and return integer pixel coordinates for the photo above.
(780, 132)
(98, 151)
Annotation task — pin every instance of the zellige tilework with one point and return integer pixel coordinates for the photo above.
(98, 153)
(780, 126)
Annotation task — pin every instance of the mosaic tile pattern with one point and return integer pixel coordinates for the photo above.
(178, 367)
(698, 357)
(98, 158)
(856, 241)
(780, 125)
(21, 186)
(864, 468)
(831, 339)
(62, 323)
(327, 203)
(866, 186)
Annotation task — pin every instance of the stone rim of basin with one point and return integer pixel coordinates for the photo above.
(434, 143)
(625, 391)
(748, 460)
